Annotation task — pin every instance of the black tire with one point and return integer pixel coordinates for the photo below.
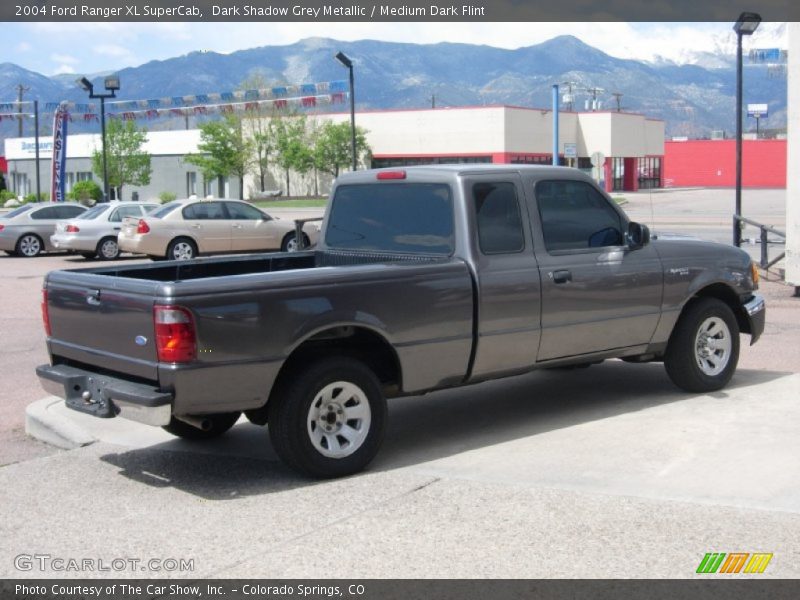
(88, 255)
(181, 249)
(220, 423)
(29, 245)
(288, 245)
(696, 361)
(107, 248)
(291, 420)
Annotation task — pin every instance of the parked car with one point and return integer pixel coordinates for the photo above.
(424, 278)
(26, 230)
(94, 233)
(184, 229)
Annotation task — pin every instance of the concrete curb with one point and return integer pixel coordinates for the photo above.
(45, 425)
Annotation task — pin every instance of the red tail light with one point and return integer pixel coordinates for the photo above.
(2, 227)
(71, 229)
(46, 314)
(391, 175)
(143, 227)
(175, 336)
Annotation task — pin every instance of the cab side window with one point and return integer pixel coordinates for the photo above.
(498, 218)
(576, 216)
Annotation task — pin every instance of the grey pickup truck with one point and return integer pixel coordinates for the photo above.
(424, 278)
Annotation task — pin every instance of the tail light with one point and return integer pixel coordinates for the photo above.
(2, 227)
(175, 336)
(142, 227)
(71, 229)
(46, 314)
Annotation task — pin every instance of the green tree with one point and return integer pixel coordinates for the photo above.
(292, 152)
(224, 150)
(127, 162)
(257, 125)
(333, 147)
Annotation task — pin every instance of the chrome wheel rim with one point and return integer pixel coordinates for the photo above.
(712, 346)
(291, 245)
(30, 245)
(109, 249)
(183, 251)
(339, 419)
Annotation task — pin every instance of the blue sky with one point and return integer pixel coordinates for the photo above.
(85, 48)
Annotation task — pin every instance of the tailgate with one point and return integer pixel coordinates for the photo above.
(103, 321)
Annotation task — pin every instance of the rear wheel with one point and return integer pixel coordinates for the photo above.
(181, 249)
(29, 245)
(216, 425)
(108, 249)
(328, 420)
(704, 347)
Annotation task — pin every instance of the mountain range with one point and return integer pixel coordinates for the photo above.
(692, 99)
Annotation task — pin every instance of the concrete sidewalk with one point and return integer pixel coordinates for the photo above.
(603, 472)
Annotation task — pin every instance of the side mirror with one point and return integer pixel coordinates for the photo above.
(638, 235)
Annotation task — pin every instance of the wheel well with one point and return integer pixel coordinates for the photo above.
(357, 342)
(722, 292)
(183, 237)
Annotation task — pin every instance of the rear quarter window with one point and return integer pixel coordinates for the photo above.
(392, 217)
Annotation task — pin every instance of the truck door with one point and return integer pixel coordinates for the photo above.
(597, 294)
(507, 276)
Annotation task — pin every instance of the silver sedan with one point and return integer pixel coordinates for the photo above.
(26, 231)
(94, 233)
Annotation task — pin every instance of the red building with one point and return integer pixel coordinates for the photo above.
(712, 163)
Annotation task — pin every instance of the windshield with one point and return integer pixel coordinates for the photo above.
(395, 217)
(17, 211)
(94, 212)
(164, 210)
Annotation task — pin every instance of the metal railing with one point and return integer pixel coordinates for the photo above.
(765, 263)
(298, 231)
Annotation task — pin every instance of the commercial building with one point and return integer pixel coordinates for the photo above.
(167, 149)
(631, 148)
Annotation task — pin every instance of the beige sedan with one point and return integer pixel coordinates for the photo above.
(184, 229)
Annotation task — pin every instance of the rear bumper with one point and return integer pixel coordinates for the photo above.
(756, 311)
(105, 396)
(66, 242)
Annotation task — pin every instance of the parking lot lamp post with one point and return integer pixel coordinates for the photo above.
(746, 25)
(340, 56)
(112, 86)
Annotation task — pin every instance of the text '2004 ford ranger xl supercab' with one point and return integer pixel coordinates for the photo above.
(424, 278)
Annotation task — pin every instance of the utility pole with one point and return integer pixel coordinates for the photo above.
(569, 99)
(594, 91)
(433, 100)
(617, 98)
(21, 89)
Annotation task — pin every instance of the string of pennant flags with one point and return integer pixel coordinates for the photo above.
(306, 95)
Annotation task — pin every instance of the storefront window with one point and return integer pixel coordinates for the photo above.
(649, 169)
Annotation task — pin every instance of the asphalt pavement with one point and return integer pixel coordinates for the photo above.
(602, 472)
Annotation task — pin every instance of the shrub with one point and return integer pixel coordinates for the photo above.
(6, 195)
(86, 192)
(43, 197)
(166, 197)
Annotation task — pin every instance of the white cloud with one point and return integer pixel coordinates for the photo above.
(23, 47)
(64, 69)
(112, 50)
(63, 58)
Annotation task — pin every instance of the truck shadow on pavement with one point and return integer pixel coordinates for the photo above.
(424, 429)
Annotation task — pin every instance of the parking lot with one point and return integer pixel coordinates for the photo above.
(609, 471)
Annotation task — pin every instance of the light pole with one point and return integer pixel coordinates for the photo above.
(746, 24)
(340, 56)
(112, 86)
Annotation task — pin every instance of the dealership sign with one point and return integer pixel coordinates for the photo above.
(758, 111)
(58, 180)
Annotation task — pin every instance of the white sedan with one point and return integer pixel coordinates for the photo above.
(94, 233)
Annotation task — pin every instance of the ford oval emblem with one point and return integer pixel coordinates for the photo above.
(141, 340)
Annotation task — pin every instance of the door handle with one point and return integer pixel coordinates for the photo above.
(237, 226)
(562, 276)
(116, 228)
(195, 226)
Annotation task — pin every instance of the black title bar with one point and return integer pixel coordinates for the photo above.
(394, 10)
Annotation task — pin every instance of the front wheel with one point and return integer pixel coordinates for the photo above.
(290, 244)
(215, 426)
(328, 420)
(703, 350)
